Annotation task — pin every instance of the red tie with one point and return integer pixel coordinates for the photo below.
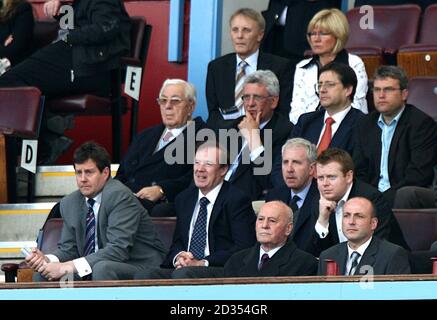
(326, 138)
(167, 136)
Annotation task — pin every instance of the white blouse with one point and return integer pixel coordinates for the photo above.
(305, 98)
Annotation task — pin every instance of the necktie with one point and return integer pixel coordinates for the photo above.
(354, 262)
(198, 238)
(294, 207)
(167, 136)
(90, 234)
(264, 258)
(326, 137)
(239, 83)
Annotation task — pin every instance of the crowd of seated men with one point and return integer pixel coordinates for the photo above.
(330, 174)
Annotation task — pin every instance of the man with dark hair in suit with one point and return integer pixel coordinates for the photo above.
(334, 124)
(275, 254)
(396, 147)
(155, 180)
(363, 253)
(336, 184)
(107, 234)
(226, 74)
(264, 132)
(286, 26)
(300, 190)
(214, 221)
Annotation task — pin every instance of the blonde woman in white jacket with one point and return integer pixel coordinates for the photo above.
(327, 35)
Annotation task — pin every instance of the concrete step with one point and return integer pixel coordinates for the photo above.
(54, 181)
(19, 226)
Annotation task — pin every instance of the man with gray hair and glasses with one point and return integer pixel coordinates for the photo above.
(144, 169)
(263, 133)
(397, 144)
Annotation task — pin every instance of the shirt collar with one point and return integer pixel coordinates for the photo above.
(251, 60)
(338, 117)
(346, 195)
(395, 120)
(97, 198)
(270, 253)
(212, 195)
(175, 131)
(361, 249)
(302, 193)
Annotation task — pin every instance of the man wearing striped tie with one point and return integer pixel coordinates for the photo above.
(224, 83)
(363, 253)
(106, 235)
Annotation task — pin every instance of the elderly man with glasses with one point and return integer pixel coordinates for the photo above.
(397, 144)
(153, 177)
(263, 133)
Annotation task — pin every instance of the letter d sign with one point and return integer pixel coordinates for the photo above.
(28, 155)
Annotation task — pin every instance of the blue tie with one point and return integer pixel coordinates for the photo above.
(90, 235)
(198, 238)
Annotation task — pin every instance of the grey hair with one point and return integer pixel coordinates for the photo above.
(251, 14)
(189, 89)
(393, 72)
(266, 78)
(300, 142)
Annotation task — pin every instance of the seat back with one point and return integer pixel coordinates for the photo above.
(165, 227)
(393, 26)
(50, 235)
(423, 94)
(20, 111)
(419, 227)
(429, 26)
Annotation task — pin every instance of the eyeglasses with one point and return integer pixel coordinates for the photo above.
(173, 101)
(386, 90)
(326, 85)
(321, 33)
(257, 98)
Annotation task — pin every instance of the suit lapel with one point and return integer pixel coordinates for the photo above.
(343, 130)
(369, 257)
(305, 210)
(342, 255)
(250, 262)
(316, 125)
(83, 208)
(187, 215)
(216, 211)
(375, 135)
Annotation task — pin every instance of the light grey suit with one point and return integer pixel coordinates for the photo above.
(127, 239)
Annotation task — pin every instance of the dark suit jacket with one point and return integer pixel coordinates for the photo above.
(384, 257)
(125, 231)
(288, 261)
(303, 230)
(255, 184)
(413, 150)
(388, 227)
(231, 227)
(310, 126)
(141, 167)
(220, 85)
(299, 14)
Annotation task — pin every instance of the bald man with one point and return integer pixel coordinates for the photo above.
(274, 254)
(362, 252)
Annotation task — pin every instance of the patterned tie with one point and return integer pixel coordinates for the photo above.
(198, 238)
(167, 136)
(354, 262)
(264, 258)
(294, 207)
(90, 235)
(326, 137)
(239, 83)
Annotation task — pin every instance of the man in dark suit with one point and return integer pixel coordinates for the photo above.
(224, 103)
(363, 253)
(286, 26)
(107, 234)
(336, 184)
(397, 144)
(148, 168)
(227, 215)
(275, 254)
(300, 189)
(334, 124)
(264, 132)
(78, 61)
